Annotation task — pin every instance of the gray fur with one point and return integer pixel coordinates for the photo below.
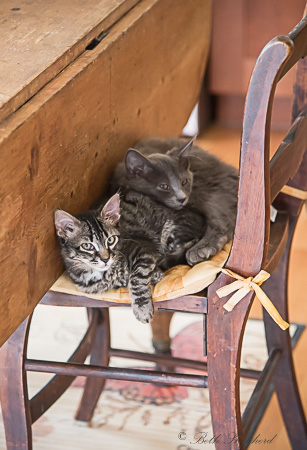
(171, 231)
(210, 186)
(149, 239)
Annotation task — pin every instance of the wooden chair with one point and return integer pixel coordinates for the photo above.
(257, 245)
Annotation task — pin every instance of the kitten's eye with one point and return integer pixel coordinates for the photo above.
(87, 246)
(111, 241)
(164, 186)
(184, 182)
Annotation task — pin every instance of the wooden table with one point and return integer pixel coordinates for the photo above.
(69, 109)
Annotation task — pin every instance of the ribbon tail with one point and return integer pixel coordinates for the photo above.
(261, 277)
(270, 308)
(229, 288)
(235, 298)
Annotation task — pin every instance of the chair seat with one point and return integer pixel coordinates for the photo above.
(178, 281)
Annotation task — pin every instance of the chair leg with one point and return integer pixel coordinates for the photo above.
(161, 340)
(160, 331)
(224, 341)
(100, 355)
(284, 378)
(13, 390)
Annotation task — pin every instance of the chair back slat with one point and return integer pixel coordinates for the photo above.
(300, 89)
(288, 158)
(284, 202)
(299, 37)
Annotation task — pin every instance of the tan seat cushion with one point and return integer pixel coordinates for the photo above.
(178, 281)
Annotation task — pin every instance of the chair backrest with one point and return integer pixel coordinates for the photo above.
(260, 181)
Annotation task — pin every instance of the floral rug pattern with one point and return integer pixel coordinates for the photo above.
(130, 416)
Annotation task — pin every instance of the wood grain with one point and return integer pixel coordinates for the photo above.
(224, 142)
(284, 379)
(15, 405)
(100, 355)
(288, 157)
(53, 390)
(60, 148)
(279, 232)
(250, 245)
(252, 236)
(160, 325)
(113, 373)
(41, 38)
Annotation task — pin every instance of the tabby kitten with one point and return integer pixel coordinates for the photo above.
(172, 231)
(109, 248)
(98, 259)
(177, 173)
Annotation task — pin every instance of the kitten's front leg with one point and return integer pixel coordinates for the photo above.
(139, 288)
(141, 300)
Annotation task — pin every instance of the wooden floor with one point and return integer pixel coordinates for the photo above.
(225, 143)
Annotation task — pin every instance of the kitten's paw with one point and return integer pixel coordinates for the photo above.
(198, 254)
(157, 276)
(203, 251)
(143, 313)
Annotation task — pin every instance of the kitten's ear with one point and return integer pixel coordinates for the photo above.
(183, 153)
(136, 163)
(66, 225)
(111, 211)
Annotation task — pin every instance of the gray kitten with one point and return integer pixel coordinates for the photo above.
(172, 231)
(177, 173)
(127, 245)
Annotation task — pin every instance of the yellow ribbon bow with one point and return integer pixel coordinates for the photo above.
(243, 286)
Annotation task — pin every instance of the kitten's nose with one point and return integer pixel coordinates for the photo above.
(182, 199)
(104, 256)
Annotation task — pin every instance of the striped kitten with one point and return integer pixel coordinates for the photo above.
(172, 231)
(109, 248)
(98, 259)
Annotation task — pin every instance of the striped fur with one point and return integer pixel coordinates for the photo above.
(147, 237)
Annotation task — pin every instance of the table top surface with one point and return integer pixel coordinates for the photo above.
(40, 38)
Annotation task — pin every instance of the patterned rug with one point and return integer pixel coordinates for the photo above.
(130, 415)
